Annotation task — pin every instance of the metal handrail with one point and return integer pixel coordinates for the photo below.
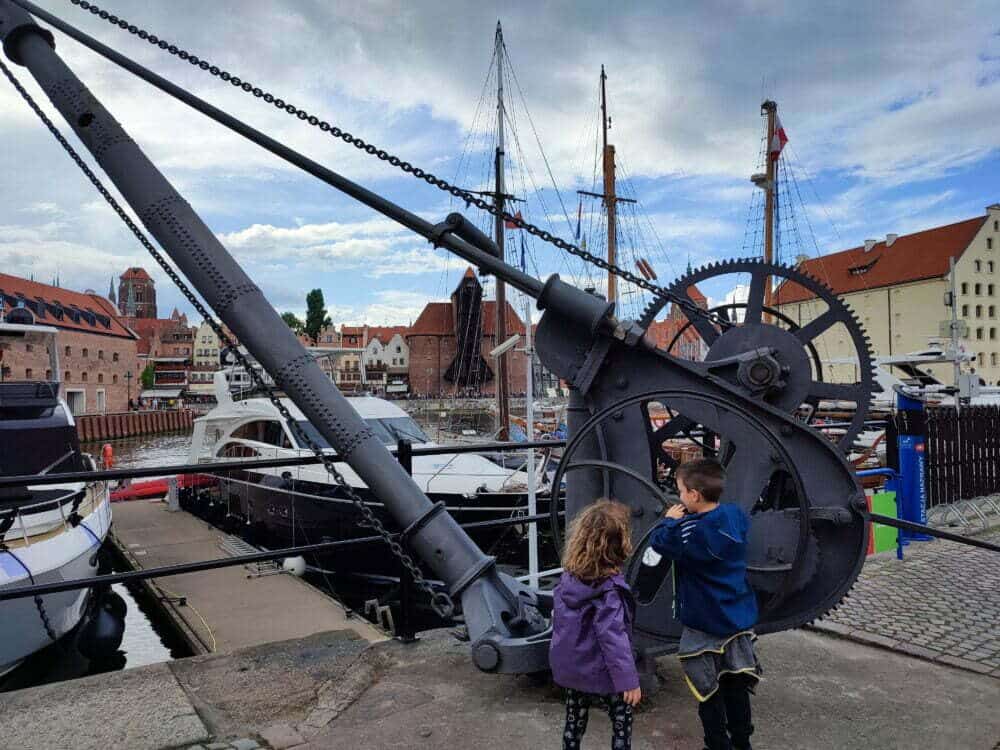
(18, 512)
(226, 562)
(220, 467)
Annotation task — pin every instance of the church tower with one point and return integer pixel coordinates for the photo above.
(136, 294)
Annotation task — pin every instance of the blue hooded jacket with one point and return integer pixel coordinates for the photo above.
(709, 551)
(591, 647)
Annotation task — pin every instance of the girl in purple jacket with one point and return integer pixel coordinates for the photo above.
(591, 652)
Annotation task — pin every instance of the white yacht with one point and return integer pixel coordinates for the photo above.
(48, 532)
(302, 505)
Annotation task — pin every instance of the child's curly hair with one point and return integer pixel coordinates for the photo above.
(600, 540)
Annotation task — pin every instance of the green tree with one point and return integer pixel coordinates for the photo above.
(293, 322)
(316, 317)
(146, 378)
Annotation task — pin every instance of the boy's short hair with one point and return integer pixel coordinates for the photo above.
(705, 475)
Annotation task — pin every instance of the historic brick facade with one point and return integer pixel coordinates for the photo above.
(96, 351)
(136, 294)
(434, 345)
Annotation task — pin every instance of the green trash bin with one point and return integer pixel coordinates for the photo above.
(884, 504)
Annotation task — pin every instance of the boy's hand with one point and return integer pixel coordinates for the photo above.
(675, 511)
(632, 697)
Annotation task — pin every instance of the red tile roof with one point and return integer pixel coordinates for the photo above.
(436, 320)
(136, 273)
(385, 333)
(514, 322)
(62, 308)
(912, 257)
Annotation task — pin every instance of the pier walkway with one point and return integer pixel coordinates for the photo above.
(223, 609)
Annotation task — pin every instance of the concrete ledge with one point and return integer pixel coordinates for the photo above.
(139, 708)
(335, 690)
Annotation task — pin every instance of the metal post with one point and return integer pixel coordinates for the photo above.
(173, 501)
(405, 630)
(529, 409)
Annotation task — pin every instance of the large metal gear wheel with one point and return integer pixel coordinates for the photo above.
(791, 377)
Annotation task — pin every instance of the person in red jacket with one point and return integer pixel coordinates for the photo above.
(591, 650)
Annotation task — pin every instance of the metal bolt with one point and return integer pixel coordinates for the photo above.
(486, 656)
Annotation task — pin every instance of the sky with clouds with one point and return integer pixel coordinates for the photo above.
(892, 111)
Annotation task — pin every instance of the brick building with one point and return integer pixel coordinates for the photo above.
(673, 334)
(450, 343)
(136, 294)
(98, 355)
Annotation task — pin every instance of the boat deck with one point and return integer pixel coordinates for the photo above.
(223, 609)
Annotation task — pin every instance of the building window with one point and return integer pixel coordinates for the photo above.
(979, 266)
(979, 334)
(86, 352)
(979, 289)
(993, 334)
(980, 357)
(69, 351)
(989, 266)
(989, 290)
(100, 354)
(100, 377)
(965, 288)
(66, 376)
(83, 376)
(28, 373)
(965, 311)
(993, 359)
(29, 348)
(993, 311)
(979, 311)
(48, 374)
(114, 379)
(114, 357)
(989, 243)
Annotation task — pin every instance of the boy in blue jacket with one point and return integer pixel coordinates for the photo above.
(708, 543)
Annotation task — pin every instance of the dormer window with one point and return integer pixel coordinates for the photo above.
(862, 269)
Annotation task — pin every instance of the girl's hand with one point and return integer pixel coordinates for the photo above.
(675, 511)
(632, 697)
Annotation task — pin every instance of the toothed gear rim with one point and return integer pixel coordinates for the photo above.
(763, 334)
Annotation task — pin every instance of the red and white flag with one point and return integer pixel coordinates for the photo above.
(514, 224)
(779, 139)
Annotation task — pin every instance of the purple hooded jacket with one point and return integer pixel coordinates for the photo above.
(591, 648)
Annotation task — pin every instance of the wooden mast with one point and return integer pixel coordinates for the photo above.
(502, 379)
(770, 110)
(610, 200)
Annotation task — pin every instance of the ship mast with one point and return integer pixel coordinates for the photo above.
(610, 198)
(609, 189)
(770, 110)
(502, 379)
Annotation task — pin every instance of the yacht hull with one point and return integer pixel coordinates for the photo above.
(68, 556)
(274, 512)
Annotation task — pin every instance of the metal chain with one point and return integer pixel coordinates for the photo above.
(469, 198)
(441, 602)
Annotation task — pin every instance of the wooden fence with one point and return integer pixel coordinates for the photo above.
(962, 453)
(95, 427)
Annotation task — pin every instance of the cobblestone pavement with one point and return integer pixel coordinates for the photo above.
(942, 602)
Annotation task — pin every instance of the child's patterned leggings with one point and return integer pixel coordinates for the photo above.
(577, 712)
